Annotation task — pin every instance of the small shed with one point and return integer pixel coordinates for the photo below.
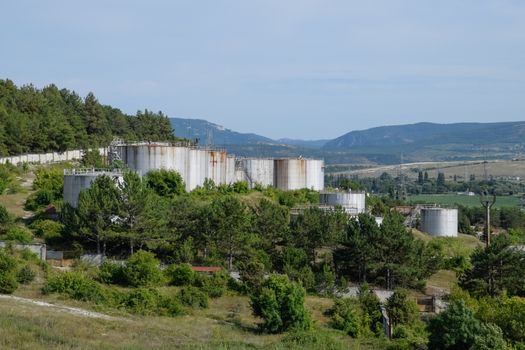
(206, 269)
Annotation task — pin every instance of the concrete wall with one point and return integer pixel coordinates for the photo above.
(38, 248)
(440, 221)
(47, 158)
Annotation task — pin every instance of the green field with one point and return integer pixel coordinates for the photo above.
(469, 201)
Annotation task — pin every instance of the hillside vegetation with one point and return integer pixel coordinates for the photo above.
(52, 119)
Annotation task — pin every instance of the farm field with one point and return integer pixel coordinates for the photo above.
(510, 169)
(469, 201)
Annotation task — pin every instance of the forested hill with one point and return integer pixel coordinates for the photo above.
(52, 119)
(428, 134)
(210, 133)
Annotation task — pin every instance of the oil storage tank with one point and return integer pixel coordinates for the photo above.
(315, 174)
(75, 180)
(255, 171)
(192, 163)
(290, 174)
(440, 221)
(352, 202)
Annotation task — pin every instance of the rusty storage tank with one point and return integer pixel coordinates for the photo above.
(256, 171)
(290, 174)
(75, 180)
(193, 164)
(440, 221)
(352, 202)
(315, 174)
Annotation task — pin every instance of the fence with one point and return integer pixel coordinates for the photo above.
(47, 158)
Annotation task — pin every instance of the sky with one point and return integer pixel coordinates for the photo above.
(304, 69)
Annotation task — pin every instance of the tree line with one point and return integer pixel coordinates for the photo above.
(54, 120)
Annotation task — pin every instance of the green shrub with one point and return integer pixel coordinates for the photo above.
(5, 217)
(345, 315)
(214, 285)
(143, 270)
(281, 305)
(50, 180)
(76, 286)
(170, 306)
(19, 234)
(111, 273)
(454, 328)
(8, 267)
(50, 230)
(25, 275)
(39, 199)
(29, 256)
(192, 296)
(142, 301)
(180, 275)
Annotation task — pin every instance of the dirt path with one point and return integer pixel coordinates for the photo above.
(62, 308)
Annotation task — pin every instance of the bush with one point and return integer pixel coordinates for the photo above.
(5, 218)
(170, 306)
(19, 234)
(142, 301)
(25, 275)
(215, 285)
(143, 270)
(281, 305)
(8, 266)
(180, 275)
(76, 286)
(111, 273)
(48, 229)
(454, 328)
(50, 180)
(345, 315)
(192, 296)
(39, 199)
(489, 338)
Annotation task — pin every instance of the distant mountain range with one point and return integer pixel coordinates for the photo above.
(384, 145)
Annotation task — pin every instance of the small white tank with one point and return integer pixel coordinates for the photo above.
(441, 222)
(352, 202)
(75, 180)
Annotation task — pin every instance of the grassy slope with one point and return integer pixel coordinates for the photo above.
(227, 324)
(444, 280)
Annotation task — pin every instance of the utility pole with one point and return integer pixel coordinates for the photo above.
(487, 203)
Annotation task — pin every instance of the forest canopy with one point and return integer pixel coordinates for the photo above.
(55, 120)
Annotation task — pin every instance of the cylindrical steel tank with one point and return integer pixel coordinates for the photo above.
(315, 174)
(352, 202)
(256, 171)
(440, 221)
(193, 164)
(290, 174)
(75, 180)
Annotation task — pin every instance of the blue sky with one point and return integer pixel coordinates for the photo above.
(306, 69)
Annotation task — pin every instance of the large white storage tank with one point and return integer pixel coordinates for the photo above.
(315, 174)
(290, 174)
(255, 171)
(352, 202)
(75, 180)
(440, 221)
(193, 164)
